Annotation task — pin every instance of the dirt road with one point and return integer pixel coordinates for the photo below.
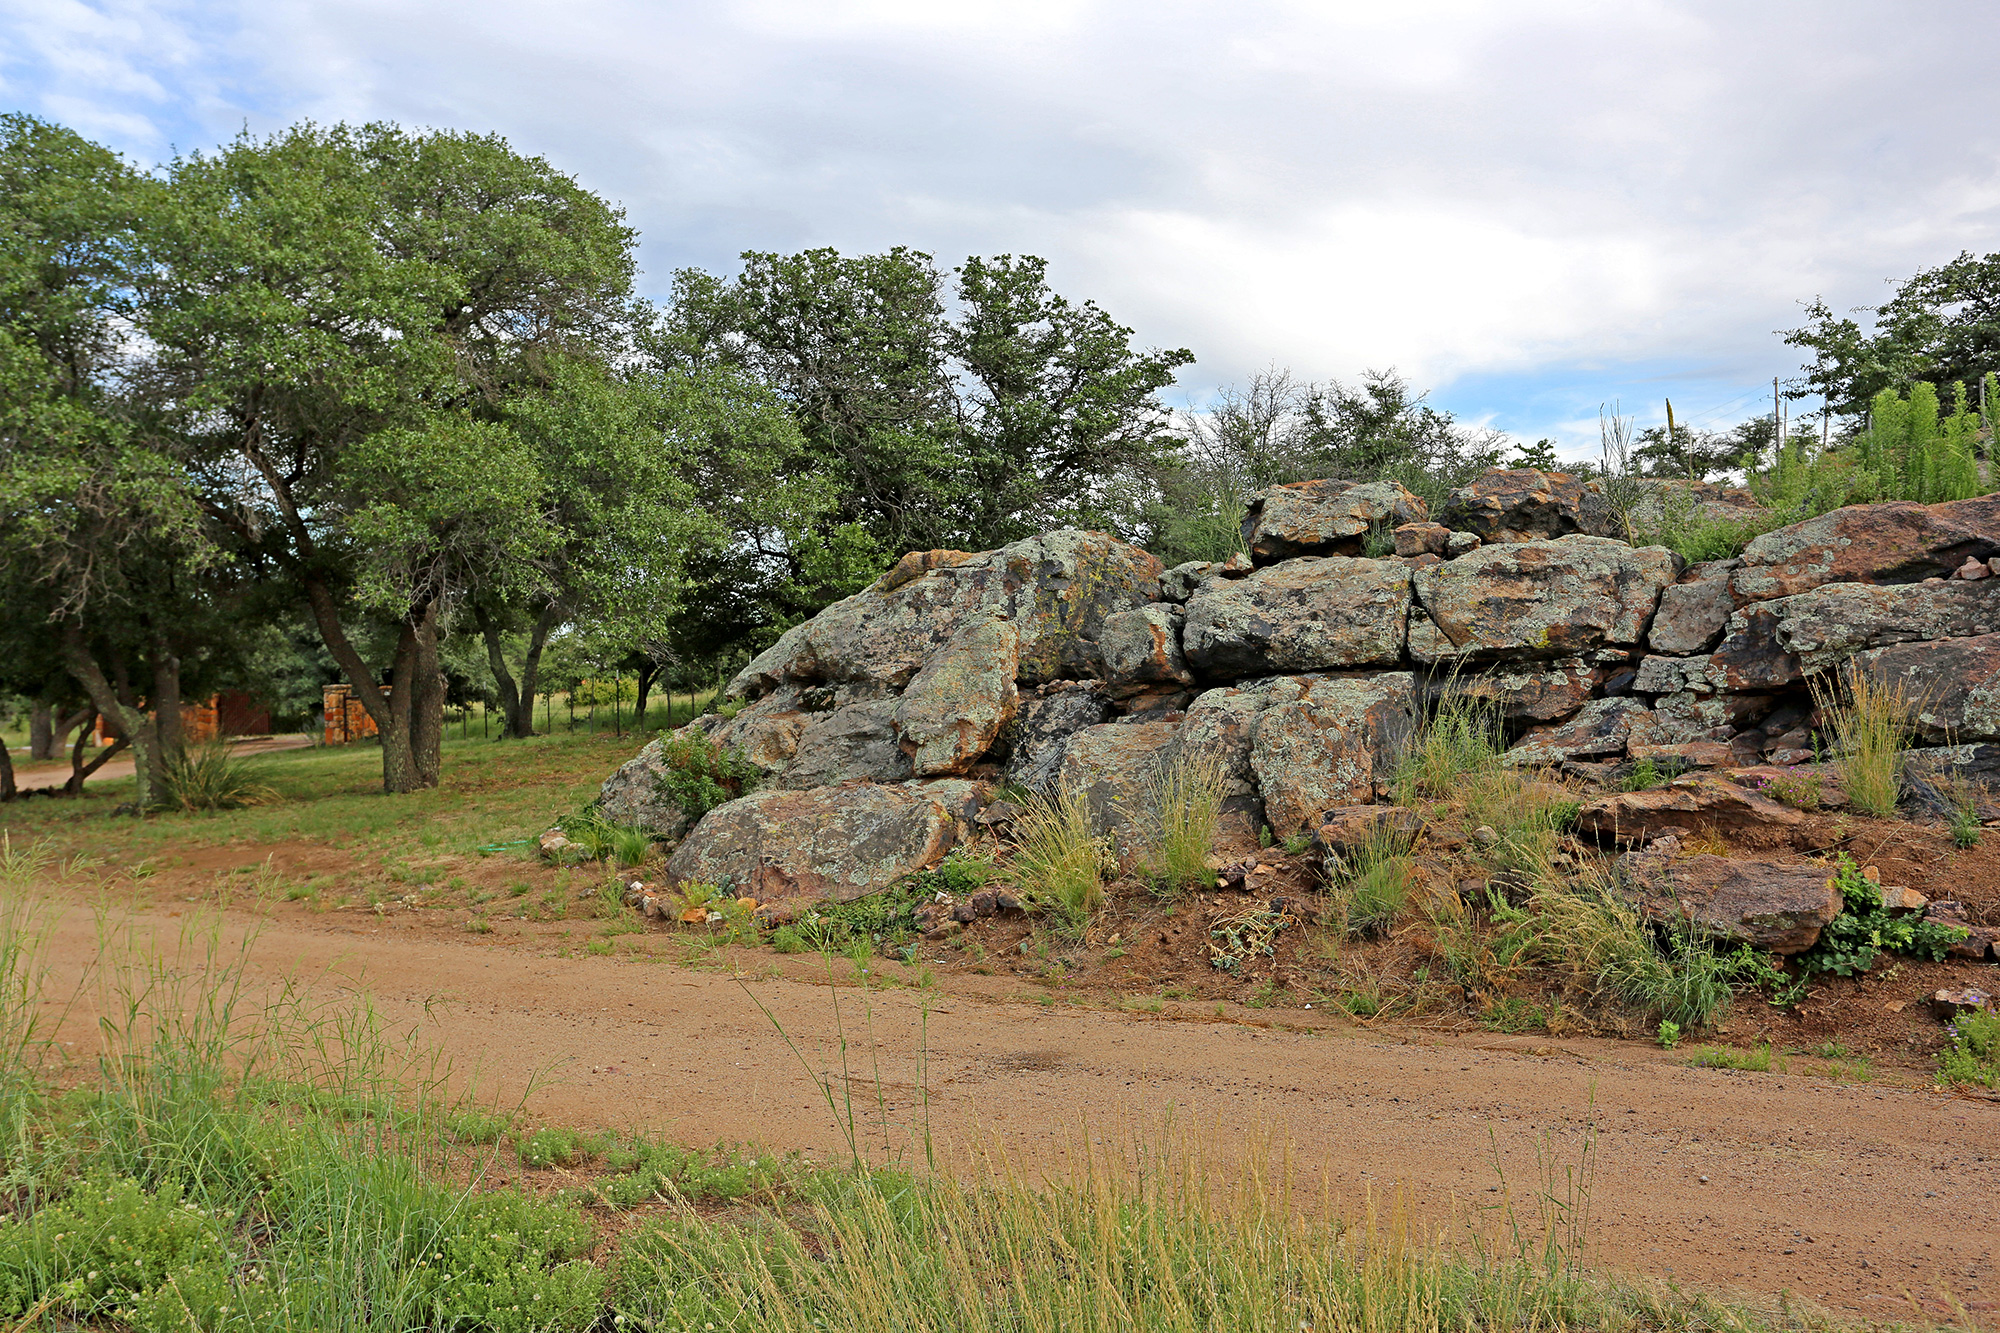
(1849, 1195)
(36, 776)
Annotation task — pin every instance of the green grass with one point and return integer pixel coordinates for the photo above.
(1972, 1057)
(1059, 857)
(1757, 1060)
(1869, 726)
(1183, 817)
(492, 792)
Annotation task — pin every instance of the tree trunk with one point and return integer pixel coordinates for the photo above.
(520, 721)
(390, 712)
(74, 787)
(427, 702)
(531, 665)
(137, 730)
(6, 773)
(166, 701)
(647, 670)
(42, 732)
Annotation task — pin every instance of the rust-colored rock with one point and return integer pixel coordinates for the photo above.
(1694, 804)
(1143, 646)
(1542, 599)
(961, 697)
(1953, 685)
(1524, 692)
(1782, 908)
(789, 848)
(1323, 517)
(1693, 611)
(1329, 745)
(1303, 615)
(1414, 539)
(1599, 730)
(1526, 504)
(1898, 542)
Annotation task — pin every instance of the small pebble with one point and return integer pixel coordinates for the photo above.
(1704, 1180)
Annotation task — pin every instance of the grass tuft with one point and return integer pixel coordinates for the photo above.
(1059, 857)
(1183, 818)
(203, 776)
(1869, 727)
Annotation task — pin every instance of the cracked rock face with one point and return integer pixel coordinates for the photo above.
(1323, 517)
(1527, 504)
(1781, 908)
(1303, 615)
(1538, 600)
(1886, 543)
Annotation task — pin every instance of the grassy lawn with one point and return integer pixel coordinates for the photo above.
(328, 838)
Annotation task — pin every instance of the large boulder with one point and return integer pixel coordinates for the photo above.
(788, 848)
(1057, 590)
(1143, 647)
(1694, 804)
(1303, 615)
(1323, 517)
(857, 741)
(1899, 542)
(1780, 908)
(1782, 641)
(1517, 692)
(767, 731)
(1560, 598)
(1693, 611)
(961, 697)
(1043, 724)
(1599, 730)
(1111, 767)
(1953, 686)
(636, 795)
(1329, 745)
(1527, 504)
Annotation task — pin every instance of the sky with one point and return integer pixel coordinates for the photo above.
(1532, 209)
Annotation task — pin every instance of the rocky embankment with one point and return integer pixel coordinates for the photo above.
(885, 725)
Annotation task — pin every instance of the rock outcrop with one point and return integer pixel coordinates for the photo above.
(1779, 908)
(1299, 667)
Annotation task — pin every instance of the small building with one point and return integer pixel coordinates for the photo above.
(344, 719)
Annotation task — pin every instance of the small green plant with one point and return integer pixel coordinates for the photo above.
(203, 776)
(1668, 1035)
(786, 939)
(1059, 857)
(630, 846)
(1963, 817)
(1511, 1013)
(1645, 776)
(697, 775)
(549, 1146)
(1802, 788)
(1971, 1057)
(1372, 881)
(1459, 740)
(1869, 726)
(1183, 817)
(1865, 930)
(1298, 844)
(1759, 1060)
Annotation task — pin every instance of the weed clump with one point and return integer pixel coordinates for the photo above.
(1183, 810)
(203, 776)
(1059, 857)
(697, 775)
(1869, 727)
(1972, 1059)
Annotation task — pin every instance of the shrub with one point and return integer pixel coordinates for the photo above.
(1059, 857)
(699, 775)
(1460, 739)
(1866, 929)
(111, 1242)
(203, 777)
(1373, 881)
(1183, 819)
(630, 846)
(1869, 728)
(1973, 1056)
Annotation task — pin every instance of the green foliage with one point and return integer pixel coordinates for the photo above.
(204, 777)
(697, 774)
(547, 1146)
(1059, 858)
(1910, 452)
(1683, 978)
(1371, 882)
(1865, 930)
(1458, 742)
(1183, 818)
(1668, 1035)
(1940, 326)
(1869, 727)
(787, 939)
(1971, 1057)
(631, 846)
(1757, 1060)
(113, 1239)
(1645, 776)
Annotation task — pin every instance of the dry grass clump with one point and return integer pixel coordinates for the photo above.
(1869, 728)
(1183, 818)
(1059, 856)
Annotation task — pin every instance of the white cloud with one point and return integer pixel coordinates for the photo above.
(1463, 188)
